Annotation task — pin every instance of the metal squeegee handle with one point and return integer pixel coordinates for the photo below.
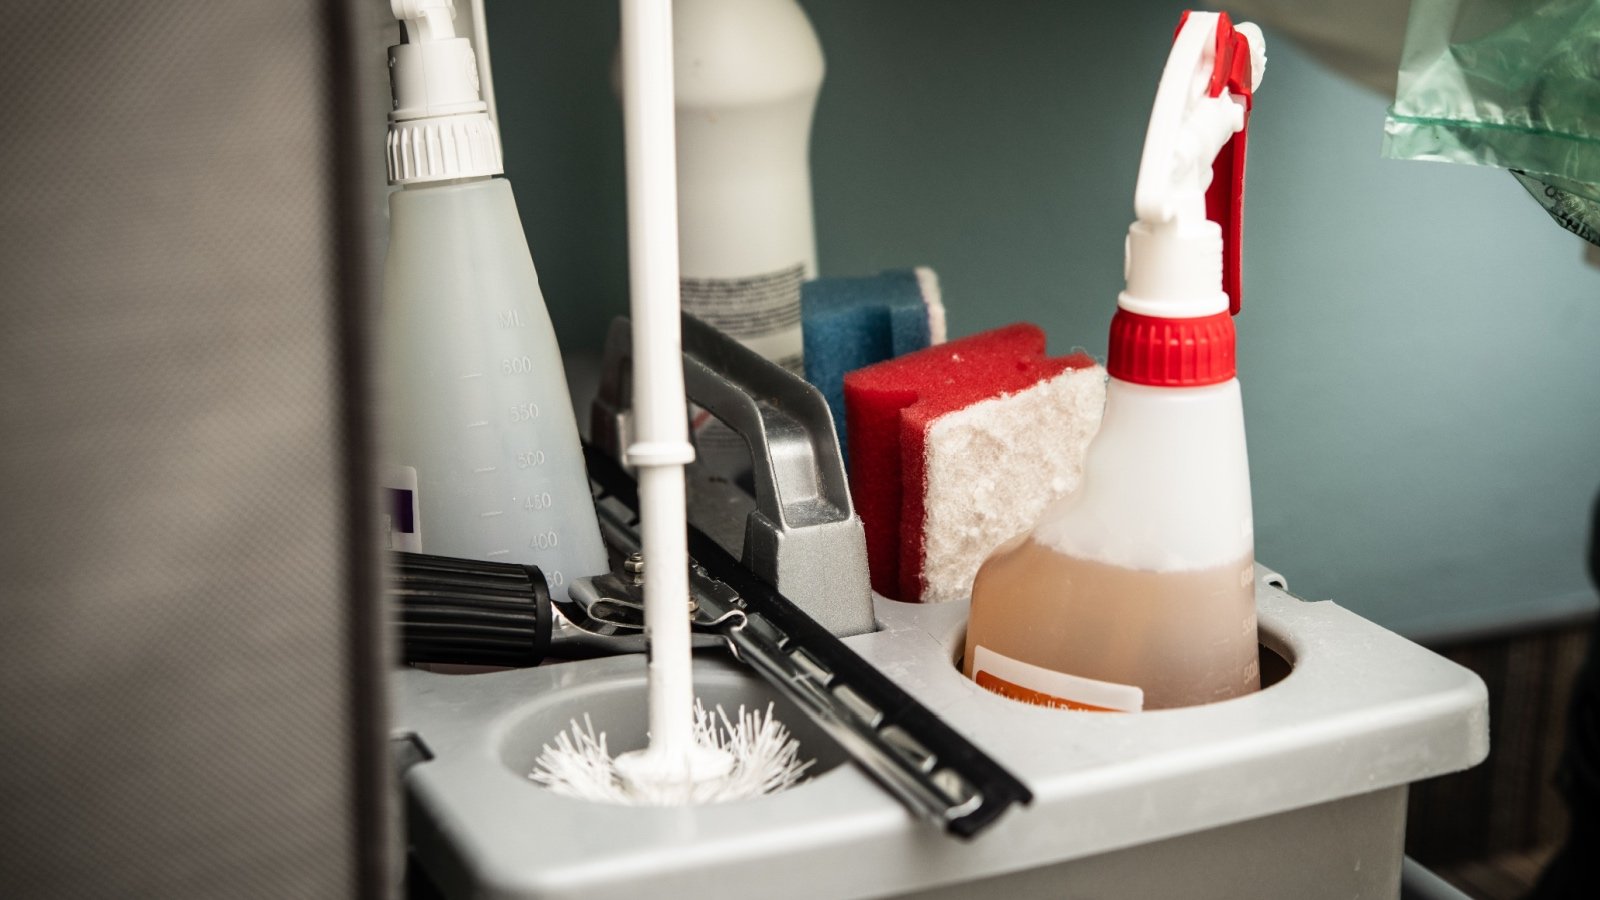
(928, 766)
(806, 683)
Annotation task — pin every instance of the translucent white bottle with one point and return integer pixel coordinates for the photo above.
(1137, 591)
(482, 452)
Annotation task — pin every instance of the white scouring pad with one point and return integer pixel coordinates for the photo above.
(993, 466)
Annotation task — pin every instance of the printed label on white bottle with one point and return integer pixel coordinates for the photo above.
(402, 511)
(1039, 686)
(760, 311)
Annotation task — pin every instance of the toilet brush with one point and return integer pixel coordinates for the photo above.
(693, 756)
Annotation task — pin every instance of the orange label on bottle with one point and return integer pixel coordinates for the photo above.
(1039, 686)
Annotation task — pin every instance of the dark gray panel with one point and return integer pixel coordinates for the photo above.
(186, 664)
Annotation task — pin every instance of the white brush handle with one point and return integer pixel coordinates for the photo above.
(659, 416)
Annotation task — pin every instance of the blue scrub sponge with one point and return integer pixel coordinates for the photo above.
(850, 323)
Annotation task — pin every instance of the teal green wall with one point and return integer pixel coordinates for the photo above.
(1418, 342)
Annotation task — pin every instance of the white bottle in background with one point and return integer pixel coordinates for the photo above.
(1137, 590)
(477, 425)
(747, 75)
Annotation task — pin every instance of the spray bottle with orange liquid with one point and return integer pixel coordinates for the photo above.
(1137, 591)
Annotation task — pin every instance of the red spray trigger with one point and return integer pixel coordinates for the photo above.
(1225, 196)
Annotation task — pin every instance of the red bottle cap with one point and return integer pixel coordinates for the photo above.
(1171, 352)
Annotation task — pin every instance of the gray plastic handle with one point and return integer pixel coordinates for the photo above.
(803, 537)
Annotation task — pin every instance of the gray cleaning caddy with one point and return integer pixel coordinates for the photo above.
(1298, 790)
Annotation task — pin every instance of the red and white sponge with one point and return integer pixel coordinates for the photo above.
(957, 448)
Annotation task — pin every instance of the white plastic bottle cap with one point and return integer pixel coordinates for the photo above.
(439, 128)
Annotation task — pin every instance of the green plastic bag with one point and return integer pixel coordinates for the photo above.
(1507, 83)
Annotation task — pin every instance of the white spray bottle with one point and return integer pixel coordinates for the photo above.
(478, 428)
(1137, 590)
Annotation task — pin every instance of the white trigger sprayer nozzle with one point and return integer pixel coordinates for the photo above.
(439, 127)
(1182, 252)
(1189, 124)
(425, 20)
(433, 70)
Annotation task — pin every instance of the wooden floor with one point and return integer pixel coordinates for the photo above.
(1490, 830)
(1506, 877)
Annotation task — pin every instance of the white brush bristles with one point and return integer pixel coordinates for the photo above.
(765, 760)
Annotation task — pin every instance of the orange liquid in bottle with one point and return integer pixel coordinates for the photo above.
(1184, 637)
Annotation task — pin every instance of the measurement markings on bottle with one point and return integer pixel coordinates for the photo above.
(510, 318)
(492, 553)
(491, 513)
(479, 424)
(546, 540)
(472, 375)
(538, 501)
(529, 459)
(524, 412)
(484, 470)
(516, 365)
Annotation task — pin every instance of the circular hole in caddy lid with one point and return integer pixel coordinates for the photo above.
(1273, 667)
(617, 707)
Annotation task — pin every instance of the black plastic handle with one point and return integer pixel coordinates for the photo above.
(470, 612)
